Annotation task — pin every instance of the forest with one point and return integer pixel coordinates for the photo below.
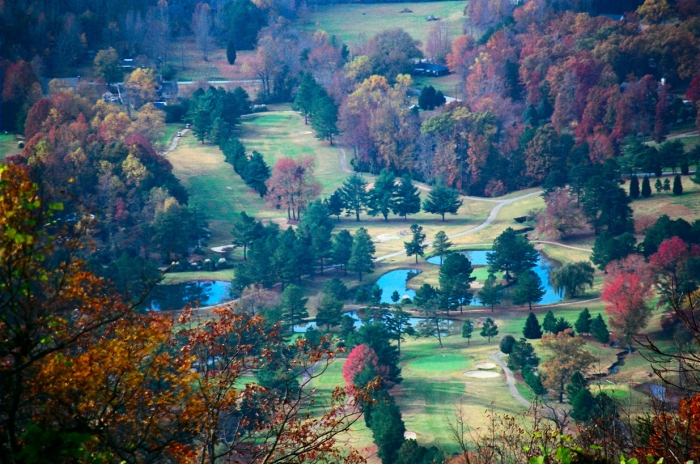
(495, 264)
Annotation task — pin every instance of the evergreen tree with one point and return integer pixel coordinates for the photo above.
(506, 345)
(583, 323)
(561, 325)
(304, 99)
(381, 197)
(407, 199)
(245, 230)
(413, 453)
(284, 259)
(583, 404)
(231, 52)
(646, 187)
(387, 430)
(336, 289)
(677, 185)
(341, 250)
(550, 322)
(532, 329)
(441, 244)
(395, 297)
(491, 293)
(667, 185)
(522, 354)
(634, 187)
(607, 248)
(442, 200)
(354, 194)
(532, 380)
(335, 204)
(606, 206)
(455, 278)
(416, 246)
(325, 118)
(398, 323)
(234, 154)
(657, 186)
(529, 289)
(467, 329)
(377, 336)
(512, 253)
(294, 305)
(489, 329)
(256, 173)
(599, 330)
(427, 100)
(330, 312)
(362, 254)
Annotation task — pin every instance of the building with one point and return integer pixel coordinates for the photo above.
(430, 69)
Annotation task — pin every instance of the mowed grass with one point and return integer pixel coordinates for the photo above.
(8, 146)
(358, 22)
(686, 205)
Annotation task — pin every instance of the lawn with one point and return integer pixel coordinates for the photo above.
(8, 146)
(355, 23)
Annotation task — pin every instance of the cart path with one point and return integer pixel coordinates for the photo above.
(175, 141)
(510, 379)
(571, 247)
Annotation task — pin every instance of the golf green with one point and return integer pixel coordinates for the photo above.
(440, 363)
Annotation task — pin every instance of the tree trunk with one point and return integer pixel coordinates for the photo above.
(357, 215)
(443, 217)
(416, 258)
(437, 326)
(245, 255)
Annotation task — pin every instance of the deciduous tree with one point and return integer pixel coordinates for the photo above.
(568, 357)
(628, 312)
(572, 278)
(293, 185)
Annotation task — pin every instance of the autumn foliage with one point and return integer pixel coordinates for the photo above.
(360, 357)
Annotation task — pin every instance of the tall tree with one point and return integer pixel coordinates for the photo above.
(341, 250)
(455, 278)
(362, 254)
(201, 27)
(335, 204)
(569, 356)
(646, 187)
(416, 246)
(257, 173)
(512, 253)
(399, 324)
(467, 329)
(529, 289)
(381, 195)
(634, 187)
(304, 99)
(354, 194)
(325, 118)
(606, 206)
(628, 312)
(330, 312)
(231, 52)
(407, 200)
(294, 306)
(677, 185)
(441, 244)
(489, 329)
(387, 430)
(599, 330)
(491, 293)
(583, 322)
(532, 329)
(292, 185)
(245, 230)
(427, 298)
(442, 200)
(107, 66)
(549, 324)
(572, 278)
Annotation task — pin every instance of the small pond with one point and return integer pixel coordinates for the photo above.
(396, 281)
(542, 269)
(301, 328)
(177, 296)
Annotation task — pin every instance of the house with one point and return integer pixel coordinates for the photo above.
(430, 69)
(167, 90)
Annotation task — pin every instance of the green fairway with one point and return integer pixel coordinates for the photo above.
(355, 23)
(440, 363)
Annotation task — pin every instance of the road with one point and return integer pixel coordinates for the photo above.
(232, 81)
(510, 379)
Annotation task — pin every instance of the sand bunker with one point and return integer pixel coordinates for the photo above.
(385, 238)
(481, 374)
(485, 366)
(409, 435)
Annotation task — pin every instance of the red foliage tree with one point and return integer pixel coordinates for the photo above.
(292, 185)
(360, 357)
(626, 297)
(675, 436)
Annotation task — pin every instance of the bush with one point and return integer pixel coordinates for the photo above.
(506, 345)
(168, 72)
(175, 113)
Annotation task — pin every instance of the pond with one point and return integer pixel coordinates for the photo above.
(301, 328)
(542, 269)
(177, 296)
(396, 281)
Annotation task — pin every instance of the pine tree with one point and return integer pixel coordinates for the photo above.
(416, 246)
(330, 312)
(427, 98)
(304, 99)
(532, 380)
(234, 154)
(245, 230)
(599, 330)
(231, 52)
(256, 173)
(583, 323)
(455, 278)
(442, 200)
(550, 322)
(634, 187)
(677, 185)
(395, 297)
(387, 430)
(362, 254)
(335, 204)
(491, 293)
(407, 199)
(489, 329)
(657, 186)
(354, 194)
(294, 305)
(529, 289)
(441, 244)
(467, 329)
(381, 196)
(646, 187)
(325, 118)
(532, 329)
(667, 185)
(341, 249)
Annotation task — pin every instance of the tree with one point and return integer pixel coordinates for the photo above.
(245, 230)
(568, 357)
(377, 336)
(489, 329)
(442, 200)
(583, 323)
(441, 244)
(667, 185)
(455, 278)
(354, 194)
(654, 11)
(336, 289)
(341, 250)
(395, 297)
(599, 330)
(413, 453)
(646, 187)
(335, 204)
(634, 187)
(243, 20)
(491, 293)
(201, 27)
(607, 248)
(387, 430)
(511, 253)
(529, 289)
(532, 380)
(606, 206)
(532, 329)
(522, 354)
(293, 185)
(257, 174)
(507, 344)
(141, 87)
(407, 199)
(562, 215)
(572, 278)
(381, 195)
(657, 186)
(358, 359)
(677, 185)
(398, 323)
(561, 325)
(416, 246)
(429, 99)
(428, 298)
(362, 254)
(626, 297)
(304, 99)
(550, 322)
(392, 53)
(107, 66)
(330, 312)
(467, 329)
(231, 52)
(294, 306)
(325, 118)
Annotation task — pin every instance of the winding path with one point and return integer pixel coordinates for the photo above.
(174, 141)
(587, 250)
(510, 378)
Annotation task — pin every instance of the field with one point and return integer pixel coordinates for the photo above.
(8, 146)
(434, 383)
(355, 23)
